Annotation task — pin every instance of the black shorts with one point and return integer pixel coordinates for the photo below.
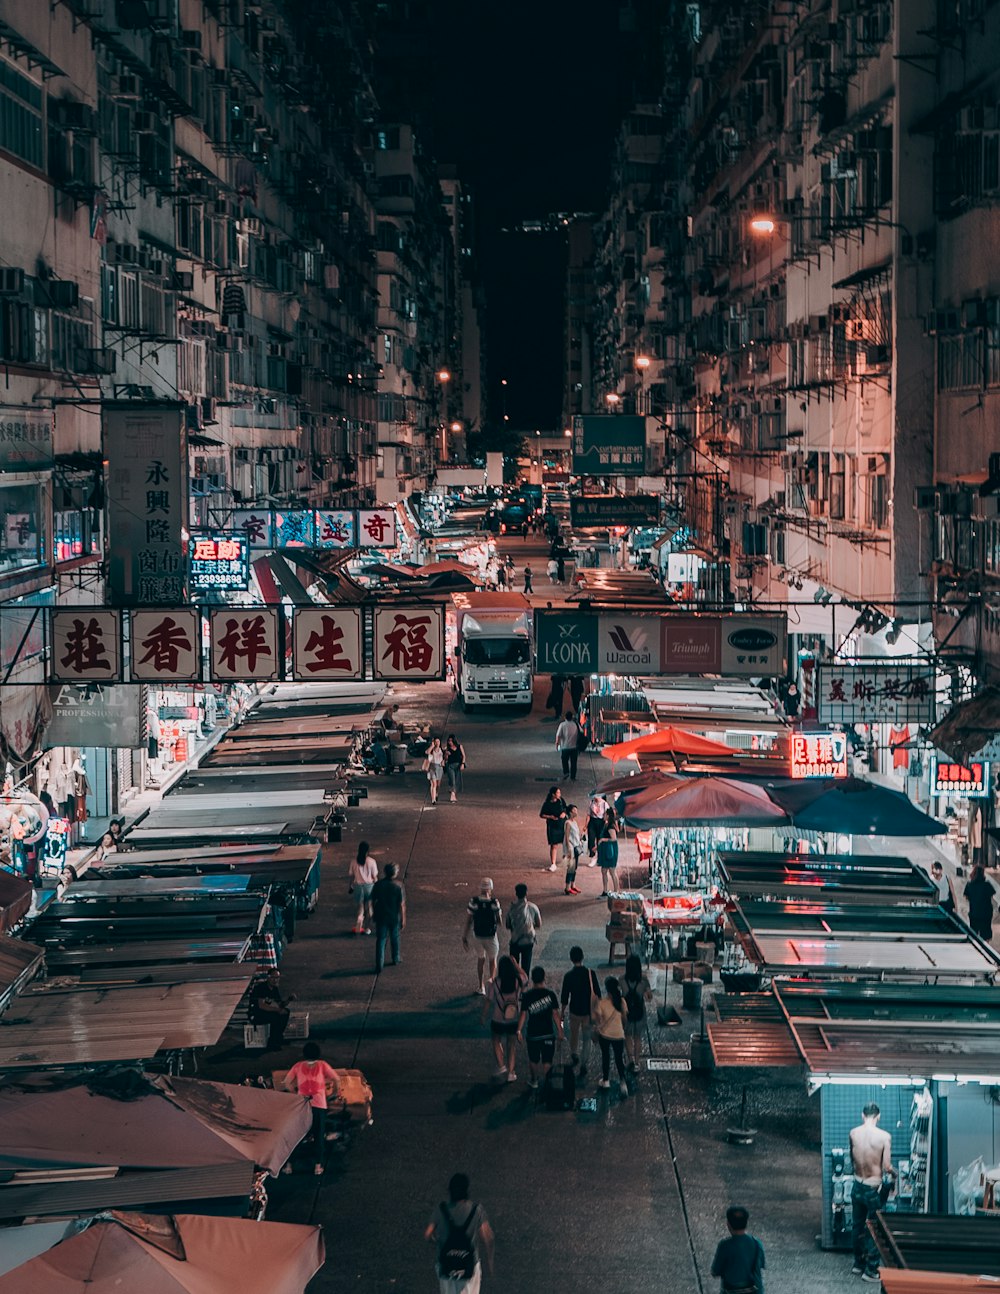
(541, 1050)
(503, 1028)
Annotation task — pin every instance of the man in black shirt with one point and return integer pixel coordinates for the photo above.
(579, 988)
(389, 910)
(739, 1259)
(268, 1007)
(539, 1024)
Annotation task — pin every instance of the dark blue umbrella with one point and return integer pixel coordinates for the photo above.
(853, 806)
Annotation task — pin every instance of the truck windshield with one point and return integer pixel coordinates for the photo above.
(496, 651)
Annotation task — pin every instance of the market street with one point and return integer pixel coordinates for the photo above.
(578, 1201)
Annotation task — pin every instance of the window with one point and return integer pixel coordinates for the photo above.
(960, 361)
(837, 477)
(75, 533)
(967, 159)
(20, 526)
(991, 554)
(21, 116)
(24, 333)
(71, 335)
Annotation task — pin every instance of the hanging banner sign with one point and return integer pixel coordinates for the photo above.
(293, 530)
(219, 561)
(93, 714)
(86, 645)
(818, 754)
(875, 693)
(25, 439)
(408, 643)
(377, 528)
(166, 646)
(335, 529)
(327, 644)
(256, 526)
(609, 444)
(244, 644)
(965, 781)
(613, 510)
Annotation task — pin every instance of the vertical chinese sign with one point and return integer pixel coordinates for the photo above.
(166, 646)
(245, 644)
(408, 642)
(327, 644)
(146, 449)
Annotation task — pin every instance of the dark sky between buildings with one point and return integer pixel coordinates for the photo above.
(525, 96)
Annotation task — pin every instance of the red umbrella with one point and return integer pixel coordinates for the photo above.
(667, 741)
(632, 785)
(704, 801)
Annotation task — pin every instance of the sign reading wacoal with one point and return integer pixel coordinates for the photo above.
(613, 509)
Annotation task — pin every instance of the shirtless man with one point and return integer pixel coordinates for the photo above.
(871, 1158)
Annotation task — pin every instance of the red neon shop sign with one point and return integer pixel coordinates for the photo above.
(818, 754)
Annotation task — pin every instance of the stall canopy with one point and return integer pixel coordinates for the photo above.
(708, 801)
(852, 806)
(174, 1254)
(667, 741)
(15, 899)
(631, 785)
(970, 726)
(848, 879)
(935, 1243)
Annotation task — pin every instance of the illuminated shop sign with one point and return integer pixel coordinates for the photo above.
(818, 754)
(220, 561)
(969, 781)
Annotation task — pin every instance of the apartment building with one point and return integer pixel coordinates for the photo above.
(463, 318)
(578, 320)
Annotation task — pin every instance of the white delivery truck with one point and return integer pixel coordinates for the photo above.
(493, 649)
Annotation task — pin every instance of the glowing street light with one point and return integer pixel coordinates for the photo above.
(642, 362)
(762, 225)
(456, 426)
(567, 431)
(612, 398)
(443, 375)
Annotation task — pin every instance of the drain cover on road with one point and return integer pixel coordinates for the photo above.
(676, 1064)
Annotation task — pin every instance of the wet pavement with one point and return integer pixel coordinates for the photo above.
(628, 1199)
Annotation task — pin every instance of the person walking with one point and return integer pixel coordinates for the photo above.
(527, 580)
(434, 767)
(945, 889)
(554, 813)
(567, 736)
(314, 1078)
(561, 567)
(980, 895)
(580, 990)
(572, 847)
(607, 854)
(739, 1259)
(363, 874)
(540, 1013)
(503, 1006)
(463, 1238)
(552, 569)
(501, 576)
(523, 921)
(637, 992)
(610, 1015)
(483, 917)
(389, 910)
(576, 691)
(596, 814)
(454, 765)
(555, 701)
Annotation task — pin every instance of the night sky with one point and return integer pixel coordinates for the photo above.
(526, 100)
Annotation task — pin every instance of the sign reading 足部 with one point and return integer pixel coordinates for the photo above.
(965, 781)
(327, 643)
(244, 644)
(818, 754)
(408, 642)
(166, 645)
(220, 561)
(146, 448)
(875, 693)
(609, 444)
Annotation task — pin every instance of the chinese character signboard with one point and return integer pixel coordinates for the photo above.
(408, 642)
(293, 530)
(335, 529)
(875, 693)
(25, 439)
(327, 643)
(377, 528)
(86, 645)
(818, 754)
(146, 449)
(220, 561)
(609, 445)
(166, 646)
(613, 509)
(254, 525)
(244, 644)
(966, 781)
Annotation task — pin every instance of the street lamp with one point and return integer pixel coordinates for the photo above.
(762, 226)
(443, 375)
(612, 398)
(642, 362)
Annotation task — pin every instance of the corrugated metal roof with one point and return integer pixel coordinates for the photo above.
(842, 879)
(939, 1242)
(209, 1182)
(752, 1042)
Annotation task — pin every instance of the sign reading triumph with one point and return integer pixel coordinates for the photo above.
(735, 646)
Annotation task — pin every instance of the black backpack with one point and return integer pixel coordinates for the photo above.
(634, 1003)
(484, 918)
(457, 1254)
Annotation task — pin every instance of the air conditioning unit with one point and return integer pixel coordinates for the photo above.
(11, 281)
(980, 314)
(191, 39)
(182, 281)
(128, 87)
(55, 294)
(98, 361)
(925, 498)
(817, 323)
(144, 123)
(209, 411)
(943, 321)
(217, 480)
(74, 116)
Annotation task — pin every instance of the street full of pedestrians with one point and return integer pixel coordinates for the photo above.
(629, 1192)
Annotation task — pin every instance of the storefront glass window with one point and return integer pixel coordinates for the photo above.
(21, 534)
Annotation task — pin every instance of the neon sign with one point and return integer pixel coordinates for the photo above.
(220, 561)
(818, 754)
(968, 781)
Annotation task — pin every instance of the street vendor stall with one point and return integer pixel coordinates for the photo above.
(862, 878)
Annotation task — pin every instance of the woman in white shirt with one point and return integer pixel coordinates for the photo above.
(364, 874)
(572, 849)
(609, 1016)
(434, 765)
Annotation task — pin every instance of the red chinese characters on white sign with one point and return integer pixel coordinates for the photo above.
(86, 645)
(165, 646)
(377, 528)
(245, 644)
(409, 642)
(326, 644)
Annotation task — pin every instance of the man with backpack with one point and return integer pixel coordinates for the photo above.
(463, 1238)
(482, 920)
(580, 989)
(523, 921)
